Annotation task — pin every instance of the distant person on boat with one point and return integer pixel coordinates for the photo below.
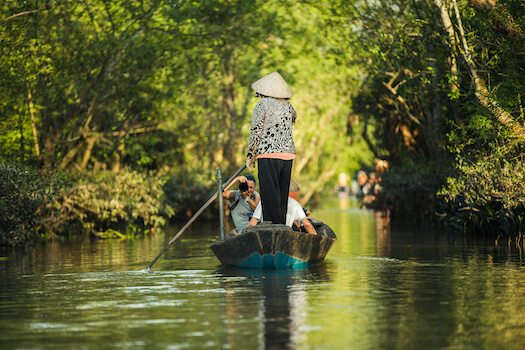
(271, 144)
(371, 184)
(294, 213)
(243, 201)
(343, 184)
(371, 189)
(359, 189)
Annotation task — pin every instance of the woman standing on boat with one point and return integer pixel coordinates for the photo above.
(271, 144)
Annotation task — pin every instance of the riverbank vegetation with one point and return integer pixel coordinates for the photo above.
(137, 104)
(444, 95)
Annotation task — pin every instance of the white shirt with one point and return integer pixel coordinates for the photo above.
(295, 212)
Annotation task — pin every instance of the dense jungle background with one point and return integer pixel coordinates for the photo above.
(115, 115)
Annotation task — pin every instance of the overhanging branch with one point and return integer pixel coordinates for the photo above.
(27, 12)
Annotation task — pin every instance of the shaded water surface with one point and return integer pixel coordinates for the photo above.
(380, 287)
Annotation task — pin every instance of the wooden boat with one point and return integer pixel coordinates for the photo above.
(275, 246)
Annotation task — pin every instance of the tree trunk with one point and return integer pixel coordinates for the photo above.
(231, 141)
(119, 150)
(481, 91)
(449, 28)
(87, 153)
(21, 129)
(70, 155)
(233, 132)
(328, 170)
(454, 75)
(368, 141)
(33, 123)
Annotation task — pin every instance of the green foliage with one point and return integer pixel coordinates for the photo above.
(95, 203)
(103, 204)
(102, 75)
(189, 191)
(486, 197)
(410, 190)
(22, 192)
(160, 85)
(404, 74)
(419, 101)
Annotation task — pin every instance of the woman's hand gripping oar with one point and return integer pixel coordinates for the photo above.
(212, 198)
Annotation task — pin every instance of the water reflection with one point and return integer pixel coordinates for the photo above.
(343, 201)
(281, 306)
(382, 219)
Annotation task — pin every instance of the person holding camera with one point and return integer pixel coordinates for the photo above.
(243, 201)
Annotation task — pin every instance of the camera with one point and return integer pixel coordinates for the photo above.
(243, 187)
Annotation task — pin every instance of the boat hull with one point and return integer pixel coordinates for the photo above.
(274, 246)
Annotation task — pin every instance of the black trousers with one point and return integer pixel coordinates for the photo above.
(274, 183)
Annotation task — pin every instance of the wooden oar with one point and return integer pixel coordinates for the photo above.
(212, 198)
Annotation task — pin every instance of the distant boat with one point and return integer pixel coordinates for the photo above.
(275, 246)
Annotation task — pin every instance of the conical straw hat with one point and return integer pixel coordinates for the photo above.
(273, 85)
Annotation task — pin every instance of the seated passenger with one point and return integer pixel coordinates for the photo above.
(294, 188)
(242, 202)
(295, 213)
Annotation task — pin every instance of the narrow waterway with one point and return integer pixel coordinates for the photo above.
(381, 287)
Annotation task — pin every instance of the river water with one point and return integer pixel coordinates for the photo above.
(381, 287)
